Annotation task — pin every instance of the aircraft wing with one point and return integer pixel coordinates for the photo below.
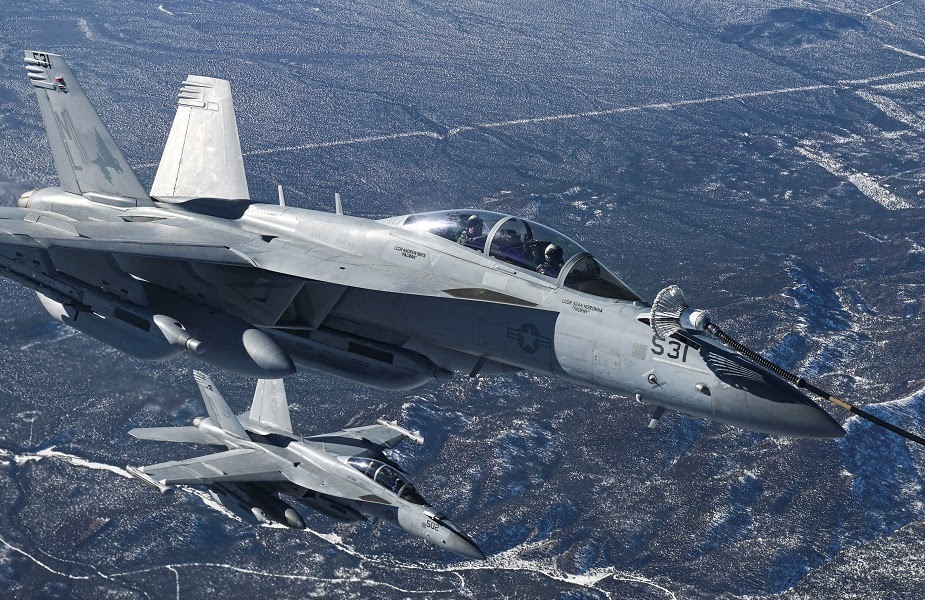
(255, 278)
(245, 465)
(383, 434)
(330, 265)
(233, 465)
(169, 239)
(186, 434)
(178, 239)
(366, 440)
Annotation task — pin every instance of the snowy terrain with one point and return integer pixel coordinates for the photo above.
(766, 157)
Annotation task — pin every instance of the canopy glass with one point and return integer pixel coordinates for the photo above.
(525, 244)
(388, 477)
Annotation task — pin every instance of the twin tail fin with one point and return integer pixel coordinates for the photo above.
(87, 159)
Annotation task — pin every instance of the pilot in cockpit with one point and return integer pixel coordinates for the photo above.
(509, 247)
(474, 235)
(553, 263)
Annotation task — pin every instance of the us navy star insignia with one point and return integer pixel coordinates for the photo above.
(528, 338)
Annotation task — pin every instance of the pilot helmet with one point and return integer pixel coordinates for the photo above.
(476, 222)
(553, 254)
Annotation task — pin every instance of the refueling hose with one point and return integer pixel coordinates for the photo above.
(671, 313)
(799, 382)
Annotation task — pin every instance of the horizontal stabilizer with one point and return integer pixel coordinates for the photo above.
(202, 157)
(87, 159)
(185, 435)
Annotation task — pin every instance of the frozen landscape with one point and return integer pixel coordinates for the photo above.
(767, 158)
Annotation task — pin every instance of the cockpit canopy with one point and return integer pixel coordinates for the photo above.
(388, 477)
(526, 245)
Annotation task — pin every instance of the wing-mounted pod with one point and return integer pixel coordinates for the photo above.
(331, 507)
(134, 335)
(221, 339)
(383, 366)
(148, 480)
(215, 337)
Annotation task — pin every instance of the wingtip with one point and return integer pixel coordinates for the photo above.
(413, 436)
(139, 474)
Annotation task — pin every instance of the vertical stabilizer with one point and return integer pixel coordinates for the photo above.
(86, 157)
(202, 157)
(270, 406)
(217, 408)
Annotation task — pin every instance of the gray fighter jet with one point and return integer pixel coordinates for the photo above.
(257, 288)
(342, 474)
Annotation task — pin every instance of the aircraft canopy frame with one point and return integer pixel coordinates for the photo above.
(523, 244)
(388, 477)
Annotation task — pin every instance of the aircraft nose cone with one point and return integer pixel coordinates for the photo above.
(801, 418)
(790, 412)
(459, 543)
(756, 399)
(464, 547)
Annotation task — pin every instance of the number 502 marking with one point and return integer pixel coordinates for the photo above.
(674, 349)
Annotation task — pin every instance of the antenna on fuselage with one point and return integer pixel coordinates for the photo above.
(279, 192)
(338, 206)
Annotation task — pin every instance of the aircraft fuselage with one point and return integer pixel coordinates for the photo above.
(434, 307)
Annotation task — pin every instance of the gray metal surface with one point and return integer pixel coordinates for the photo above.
(238, 464)
(186, 434)
(259, 288)
(202, 156)
(269, 406)
(86, 157)
(266, 461)
(218, 409)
